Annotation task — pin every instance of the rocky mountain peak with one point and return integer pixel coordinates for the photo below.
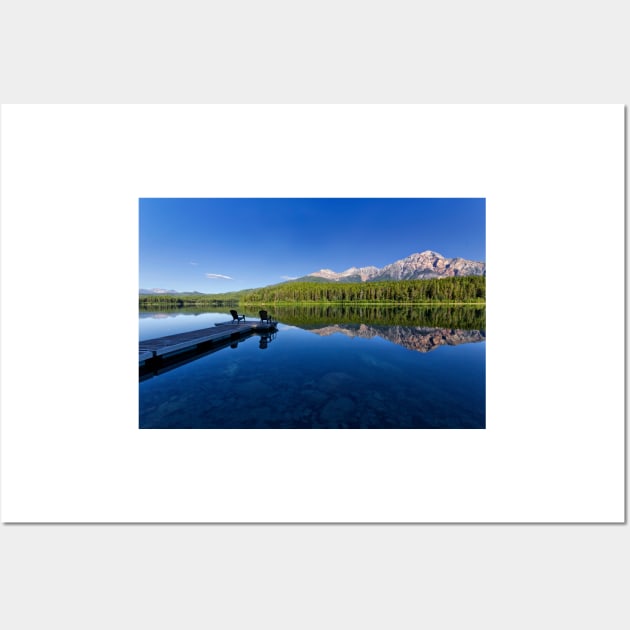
(422, 265)
(426, 264)
(355, 273)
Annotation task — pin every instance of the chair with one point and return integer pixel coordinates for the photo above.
(236, 317)
(264, 317)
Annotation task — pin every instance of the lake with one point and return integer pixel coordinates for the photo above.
(325, 367)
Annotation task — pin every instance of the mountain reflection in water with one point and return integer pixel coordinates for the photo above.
(420, 339)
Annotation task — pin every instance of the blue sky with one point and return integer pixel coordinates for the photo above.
(216, 245)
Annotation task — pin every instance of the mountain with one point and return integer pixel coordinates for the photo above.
(430, 264)
(167, 292)
(156, 291)
(427, 264)
(354, 274)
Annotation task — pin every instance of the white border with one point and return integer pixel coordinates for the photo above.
(553, 180)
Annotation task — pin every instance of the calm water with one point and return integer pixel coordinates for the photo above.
(326, 368)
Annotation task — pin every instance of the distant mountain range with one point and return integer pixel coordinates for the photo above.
(167, 292)
(422, 266)
(425, 265)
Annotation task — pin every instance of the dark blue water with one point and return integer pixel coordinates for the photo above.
(327, 375)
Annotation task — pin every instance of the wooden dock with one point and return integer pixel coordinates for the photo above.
(164, 347)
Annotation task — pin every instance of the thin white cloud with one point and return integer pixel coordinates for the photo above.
(289, 277)
(192, 262)
(212, 276)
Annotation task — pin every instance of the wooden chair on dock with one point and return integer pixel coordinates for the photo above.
(264, 317)
(236, 317)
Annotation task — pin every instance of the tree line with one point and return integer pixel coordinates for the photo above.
(464, 289)
(180, 300)
(457, 289)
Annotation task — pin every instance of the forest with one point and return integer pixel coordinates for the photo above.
(461, 289)
(457, 290)
(178, 300)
